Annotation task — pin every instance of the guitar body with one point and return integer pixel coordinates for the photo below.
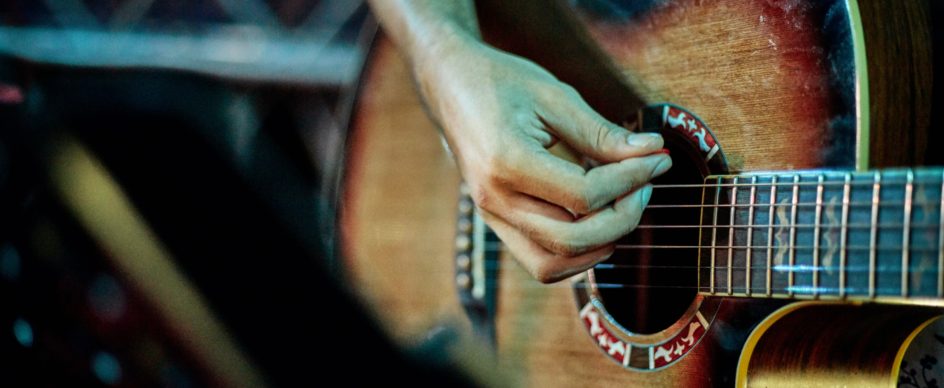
(763, 77)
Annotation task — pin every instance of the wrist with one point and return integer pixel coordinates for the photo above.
(444, 42)
(440, 66)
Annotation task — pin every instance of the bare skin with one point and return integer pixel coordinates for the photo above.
(500, 113)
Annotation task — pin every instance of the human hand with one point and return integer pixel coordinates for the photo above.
(500, 114)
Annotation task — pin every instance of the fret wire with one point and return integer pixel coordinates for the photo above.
(816, 232)
(799, 247)
(750, 236)
(731, 239)
(793, 218)
(701, 221)
(876, 187)
(905, 234)
(770, 232)
(844, 232)
(940, 244)
(696, 185)
(798, 226)
(801, 204)
(714, 236)
(799, 268)
(913, 226)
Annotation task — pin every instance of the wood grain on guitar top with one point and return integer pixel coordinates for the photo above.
(398, 213)
(756, 75)
(900, 67)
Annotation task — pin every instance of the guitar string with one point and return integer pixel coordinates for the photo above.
(778, 288)
(794, 247)
(856, 291)
(801, 268)
(778, 272)
(888, 268)
(797, 291)
(785, 270)
(787, 207)
(790, 183)
(778, 226)
(781, 269)
(767, 204)
(886, 225)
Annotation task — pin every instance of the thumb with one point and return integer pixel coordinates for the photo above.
(585, 130)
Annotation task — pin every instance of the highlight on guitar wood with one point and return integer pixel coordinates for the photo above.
(399, 204)
(400, 194)
(756, 73)
(820, 344)
(776, 81)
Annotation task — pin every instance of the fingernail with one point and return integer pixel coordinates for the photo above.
(664, 164)
(646, 193)
(643, 140)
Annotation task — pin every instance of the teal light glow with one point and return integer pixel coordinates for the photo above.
(106, 368)
(23, 332)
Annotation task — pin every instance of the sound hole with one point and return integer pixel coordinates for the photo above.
(651, 279)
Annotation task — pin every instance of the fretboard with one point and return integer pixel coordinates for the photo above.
(821, 234)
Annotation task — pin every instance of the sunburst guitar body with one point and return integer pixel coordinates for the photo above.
(780, 250)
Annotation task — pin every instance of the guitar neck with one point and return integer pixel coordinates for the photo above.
(820, 234)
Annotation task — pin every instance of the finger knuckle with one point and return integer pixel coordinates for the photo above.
(601, 135)
(546, 274)
(482, 197)
(580, 202)
(569, 91)
(567, 248)
(498, 166)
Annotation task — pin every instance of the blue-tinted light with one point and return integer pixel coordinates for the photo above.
(9, 262)
(106, 368)
(107, 298)
(23, 332)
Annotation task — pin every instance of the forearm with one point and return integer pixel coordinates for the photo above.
(430, 33)
(426, 29)
(500, 113)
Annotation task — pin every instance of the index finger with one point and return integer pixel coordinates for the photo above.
(582, 191)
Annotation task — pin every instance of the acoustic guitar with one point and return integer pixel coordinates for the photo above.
(780, 250)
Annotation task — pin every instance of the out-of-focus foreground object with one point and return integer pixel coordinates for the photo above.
(168, 186)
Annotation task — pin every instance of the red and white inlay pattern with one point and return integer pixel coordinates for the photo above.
(614, 347)
(619, 350)
(692, 127)
(675, 348)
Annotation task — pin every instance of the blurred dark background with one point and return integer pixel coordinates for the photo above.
(223, 123)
